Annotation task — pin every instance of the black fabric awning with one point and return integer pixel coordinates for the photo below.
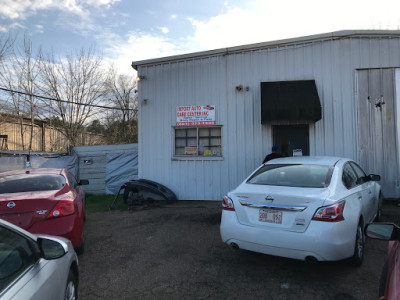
(290, 101)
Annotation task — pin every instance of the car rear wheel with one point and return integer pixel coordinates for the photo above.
(80, 249)
(358, 255)
(71, 290)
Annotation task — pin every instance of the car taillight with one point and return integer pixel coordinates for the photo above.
(227, 203)
(333, 213)
(63, 208)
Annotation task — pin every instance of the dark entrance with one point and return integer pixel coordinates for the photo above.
(291, 138)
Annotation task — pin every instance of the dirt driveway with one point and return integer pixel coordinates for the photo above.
(175, 252)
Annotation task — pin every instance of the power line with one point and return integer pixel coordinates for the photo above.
(64, 101)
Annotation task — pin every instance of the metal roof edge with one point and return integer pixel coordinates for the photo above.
(107, 148)
(284, 42)
(31, 153)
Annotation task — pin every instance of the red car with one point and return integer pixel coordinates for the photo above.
(45, 201)
(389, 288)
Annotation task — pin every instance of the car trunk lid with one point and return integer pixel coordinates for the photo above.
(281, 208)
(25, 209)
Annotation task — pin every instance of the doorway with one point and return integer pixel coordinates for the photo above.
(292, 140)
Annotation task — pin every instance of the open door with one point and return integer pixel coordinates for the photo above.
(292, 139)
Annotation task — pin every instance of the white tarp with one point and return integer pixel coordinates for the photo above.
(12, 163)
(69, 162)
(109, 168)
(19, 161)
(120, 168)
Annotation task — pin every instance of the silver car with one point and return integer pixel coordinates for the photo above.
(36, 266)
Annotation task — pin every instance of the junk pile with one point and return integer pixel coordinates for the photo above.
(144, 192)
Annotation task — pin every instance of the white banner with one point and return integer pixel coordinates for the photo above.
(196, 115)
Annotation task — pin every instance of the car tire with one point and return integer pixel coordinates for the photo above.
(80, 249)
(358, 256)
(383, 279)
(71, 289)
(379, 211)
(84, 210)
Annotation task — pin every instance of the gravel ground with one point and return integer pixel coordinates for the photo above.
(175, 252)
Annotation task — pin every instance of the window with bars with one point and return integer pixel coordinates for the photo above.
(198, 141)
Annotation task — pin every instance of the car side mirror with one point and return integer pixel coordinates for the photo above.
(51, 249)
(383, 231)
(374, 177)
(83, 182)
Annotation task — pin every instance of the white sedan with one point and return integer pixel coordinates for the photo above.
(307, 208)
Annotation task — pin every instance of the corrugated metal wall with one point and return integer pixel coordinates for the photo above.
(212, 80)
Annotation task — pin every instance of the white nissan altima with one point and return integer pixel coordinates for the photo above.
(307, 208)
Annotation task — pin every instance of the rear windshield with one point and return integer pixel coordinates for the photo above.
(30, 183)
(310, 176)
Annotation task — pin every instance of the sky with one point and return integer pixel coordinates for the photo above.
(122, 31)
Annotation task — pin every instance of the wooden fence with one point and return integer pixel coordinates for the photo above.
(15, 135)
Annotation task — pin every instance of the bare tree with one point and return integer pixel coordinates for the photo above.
(19, 75)
(6, 45)
(121, 91)
(76, 82)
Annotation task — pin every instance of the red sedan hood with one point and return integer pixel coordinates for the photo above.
(25, 209)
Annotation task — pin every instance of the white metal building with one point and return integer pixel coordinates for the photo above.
(207, 119)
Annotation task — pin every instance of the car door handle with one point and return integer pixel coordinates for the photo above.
(359, 197)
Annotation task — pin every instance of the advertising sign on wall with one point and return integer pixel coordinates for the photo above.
(196, 115)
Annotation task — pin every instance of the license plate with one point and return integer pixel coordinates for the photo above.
(270, 216)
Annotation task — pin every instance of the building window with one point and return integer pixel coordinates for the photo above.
(198, 141)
